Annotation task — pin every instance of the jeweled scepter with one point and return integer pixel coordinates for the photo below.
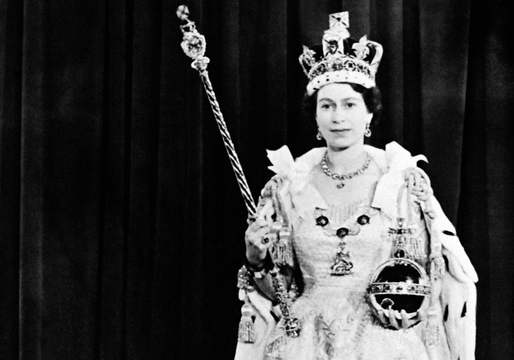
(194, 44)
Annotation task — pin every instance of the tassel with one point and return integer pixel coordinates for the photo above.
(282, 252)
(431, 332)
(246, 333)
(437, 268)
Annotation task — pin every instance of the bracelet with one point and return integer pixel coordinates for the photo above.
(259, 274)
(257, 271)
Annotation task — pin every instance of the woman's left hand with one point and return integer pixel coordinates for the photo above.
(398, 319)
(418, 184)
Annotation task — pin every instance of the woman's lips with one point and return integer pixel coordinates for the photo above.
(340, 131)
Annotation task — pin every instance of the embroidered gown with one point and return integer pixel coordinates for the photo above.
(336, 319)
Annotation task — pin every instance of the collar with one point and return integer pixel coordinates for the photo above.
(392, 161)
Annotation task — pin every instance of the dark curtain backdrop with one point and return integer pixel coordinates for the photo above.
(121, 225)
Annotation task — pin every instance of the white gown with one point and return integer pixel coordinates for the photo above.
(336, 319)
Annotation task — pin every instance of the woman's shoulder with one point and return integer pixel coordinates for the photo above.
(285, 166)
(394, 157)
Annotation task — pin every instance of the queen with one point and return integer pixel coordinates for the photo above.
(369, 265)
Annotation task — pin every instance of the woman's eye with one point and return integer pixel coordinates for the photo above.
(325, 106)
(349, 105)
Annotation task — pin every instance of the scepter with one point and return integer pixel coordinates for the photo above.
(194, 44)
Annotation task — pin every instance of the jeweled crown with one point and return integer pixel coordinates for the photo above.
(344, 59)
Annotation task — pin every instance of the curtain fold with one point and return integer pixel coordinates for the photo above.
(121, 224)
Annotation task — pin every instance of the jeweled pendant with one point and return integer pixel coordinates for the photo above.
(340, 185)
(342, 266)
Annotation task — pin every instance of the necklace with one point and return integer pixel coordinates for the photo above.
(342, 177)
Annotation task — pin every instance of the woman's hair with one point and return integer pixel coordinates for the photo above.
(372, 99)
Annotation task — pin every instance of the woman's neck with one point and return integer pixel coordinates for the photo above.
(345, 160)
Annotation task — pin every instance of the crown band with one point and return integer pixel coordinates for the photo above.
(342, 69)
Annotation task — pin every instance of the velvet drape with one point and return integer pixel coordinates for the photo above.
(121, 225)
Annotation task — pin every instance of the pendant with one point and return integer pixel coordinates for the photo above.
(342, 264)
(340, 185)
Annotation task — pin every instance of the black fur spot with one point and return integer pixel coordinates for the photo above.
(445, 316)
(464, 310)
(446, 263)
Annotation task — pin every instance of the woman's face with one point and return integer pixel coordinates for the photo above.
(341, 115)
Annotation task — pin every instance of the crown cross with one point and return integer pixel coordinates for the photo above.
(340, 19)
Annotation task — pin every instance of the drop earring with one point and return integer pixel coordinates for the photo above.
(318, 136)
(367, 132)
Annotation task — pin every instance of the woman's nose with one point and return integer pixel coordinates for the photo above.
(339, 115)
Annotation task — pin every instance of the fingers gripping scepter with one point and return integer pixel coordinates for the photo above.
(194, 44)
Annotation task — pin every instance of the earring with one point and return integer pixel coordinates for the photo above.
(318, 136)
(367, 132)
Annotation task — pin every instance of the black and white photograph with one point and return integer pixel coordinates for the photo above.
(256, 180)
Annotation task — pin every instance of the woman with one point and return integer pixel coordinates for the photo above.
(341, 205)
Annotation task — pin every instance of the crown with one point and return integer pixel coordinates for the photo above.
(344, 59)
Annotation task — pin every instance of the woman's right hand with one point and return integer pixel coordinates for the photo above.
(398, 319)
(258, 241)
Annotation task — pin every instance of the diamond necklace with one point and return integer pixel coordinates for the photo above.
(342, 177)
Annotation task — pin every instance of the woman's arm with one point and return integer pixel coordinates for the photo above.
(267, 238)
(457, 276)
